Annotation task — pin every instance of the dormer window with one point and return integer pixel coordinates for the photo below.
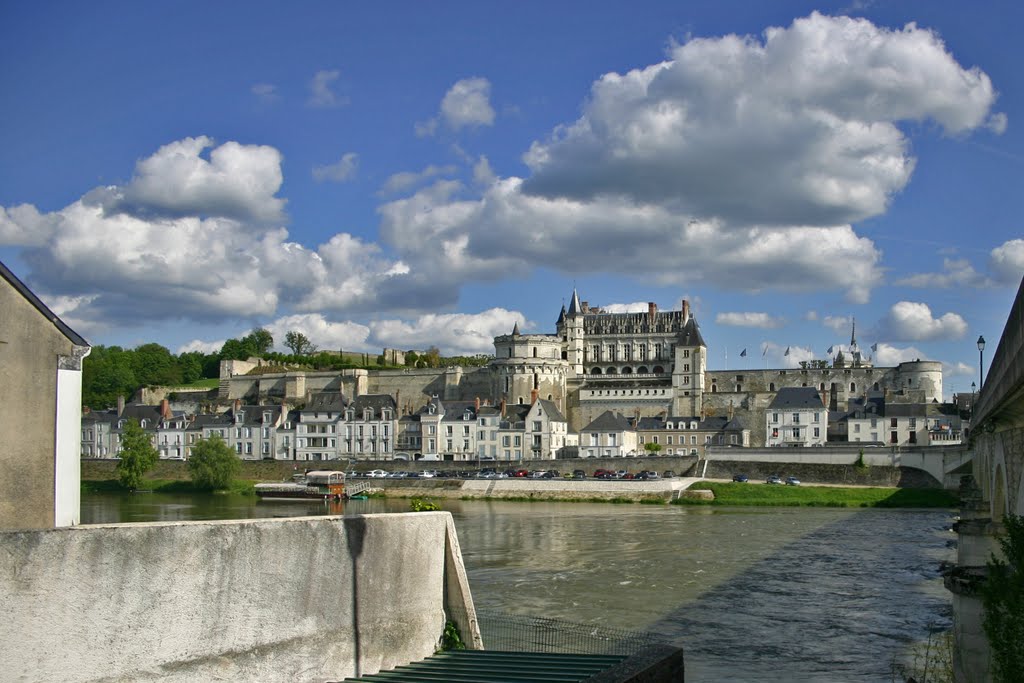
(693, 425)
(142, 423)
(669, 425)
(266, 417)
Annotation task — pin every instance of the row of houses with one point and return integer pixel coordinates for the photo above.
(332, 427)
(797, 416)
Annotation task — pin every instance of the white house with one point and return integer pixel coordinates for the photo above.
(796, 417)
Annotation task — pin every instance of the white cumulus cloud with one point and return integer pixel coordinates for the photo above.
(467, 104)
(321, 90)
(344, 169)
(453, 333)
(913, 321)
(1007, 262)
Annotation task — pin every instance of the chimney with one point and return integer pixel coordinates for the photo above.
(686, 311)
(476, 404)
(503, 407)
(165, 409)
(398, 404)
(120, 405)
(533, 396)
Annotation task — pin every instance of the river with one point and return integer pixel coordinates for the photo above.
(753, 594)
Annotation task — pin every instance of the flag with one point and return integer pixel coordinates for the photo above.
(787, 352)
(743, 353)
(874, 347)
(829, 352)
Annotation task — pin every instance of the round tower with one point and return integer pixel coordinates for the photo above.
(921, 375)
(529, 366)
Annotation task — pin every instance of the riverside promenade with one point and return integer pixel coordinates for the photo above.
(540, 489)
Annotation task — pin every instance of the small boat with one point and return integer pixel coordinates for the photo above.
(313, 485)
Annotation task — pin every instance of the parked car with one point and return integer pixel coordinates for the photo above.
(741, 478)
(376, 474)
(579, 474)
(668, 474)
(774, 479)
(648, 475)
(792, 481)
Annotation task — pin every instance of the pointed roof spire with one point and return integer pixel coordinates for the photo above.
(515, 329)
(561, 317)
(853, 336)
(575, 308)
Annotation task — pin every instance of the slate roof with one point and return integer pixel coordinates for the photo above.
(609, 422)
(717, 423)
(376, 403)
(690, 335)
(551, 410)
(795, 398)
(326, 401)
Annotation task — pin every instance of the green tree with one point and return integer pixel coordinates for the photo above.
(299, 344)
(652, 448)
(432, 357)
(1002, 596)
(212, 464)
(259, 341)
(137, 455)
(155, 366)
(411, 357)
(106, 374)
(191, 364)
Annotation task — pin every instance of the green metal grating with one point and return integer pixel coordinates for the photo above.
(489, 666)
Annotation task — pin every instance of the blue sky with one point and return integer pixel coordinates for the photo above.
(416, 174)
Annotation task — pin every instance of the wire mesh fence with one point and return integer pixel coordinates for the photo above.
(516, 633)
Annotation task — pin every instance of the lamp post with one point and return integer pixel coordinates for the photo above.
(981, 361)
(974, 397)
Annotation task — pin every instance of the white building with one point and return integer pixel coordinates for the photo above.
(796, 417)
(609, 436)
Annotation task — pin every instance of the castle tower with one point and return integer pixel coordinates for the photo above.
(528, 366)
(690, 365)
(570, 330)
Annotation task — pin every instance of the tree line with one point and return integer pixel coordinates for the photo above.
(112, 371)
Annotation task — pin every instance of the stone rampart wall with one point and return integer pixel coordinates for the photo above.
(302, 599)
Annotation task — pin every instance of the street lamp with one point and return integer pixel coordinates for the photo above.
(981, 360)
(974, 389)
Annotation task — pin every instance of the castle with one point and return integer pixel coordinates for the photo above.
(646, 364)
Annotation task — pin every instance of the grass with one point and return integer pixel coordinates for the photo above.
(238, 487)
(819, 496)
(198, 384)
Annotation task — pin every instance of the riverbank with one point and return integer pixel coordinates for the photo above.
(727, 493)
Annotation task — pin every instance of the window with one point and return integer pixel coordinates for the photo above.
(654, 439)
(775, 417)
(892, 422)
(796, 418)
(693, 440)
(537, 425)
(668, 441)
(856, 428)
(913, 423)
(796, 432)
(817, 432)
(816, 417)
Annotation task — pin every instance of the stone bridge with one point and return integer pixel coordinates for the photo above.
(995, 489)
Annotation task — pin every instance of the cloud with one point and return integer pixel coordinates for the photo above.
(201, 346)
(799, 128)
(236, 181)
(321, 93)
(811, 316)
(483, 175)
(507, 228)
(265, 92)
(910, 321)
(837, 323)
(406, 180)
(888, 356)
(465, 105)
(1007, 262)
(344, 169)
(454, 333)
(635, 307)
(956, 273)
(220, 260)
(762, 320)
(327, 335)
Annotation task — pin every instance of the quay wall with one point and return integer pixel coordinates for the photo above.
(301, 599)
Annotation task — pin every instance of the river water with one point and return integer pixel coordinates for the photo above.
(753, 594)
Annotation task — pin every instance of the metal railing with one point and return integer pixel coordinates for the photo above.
(515, 633)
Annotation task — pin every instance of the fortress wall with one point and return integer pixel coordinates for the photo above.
(300, 599)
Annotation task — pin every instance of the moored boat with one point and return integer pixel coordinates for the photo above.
(316, 485)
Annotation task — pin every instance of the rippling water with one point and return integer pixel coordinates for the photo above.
(753, 594)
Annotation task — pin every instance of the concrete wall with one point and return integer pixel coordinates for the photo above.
(302, 599)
